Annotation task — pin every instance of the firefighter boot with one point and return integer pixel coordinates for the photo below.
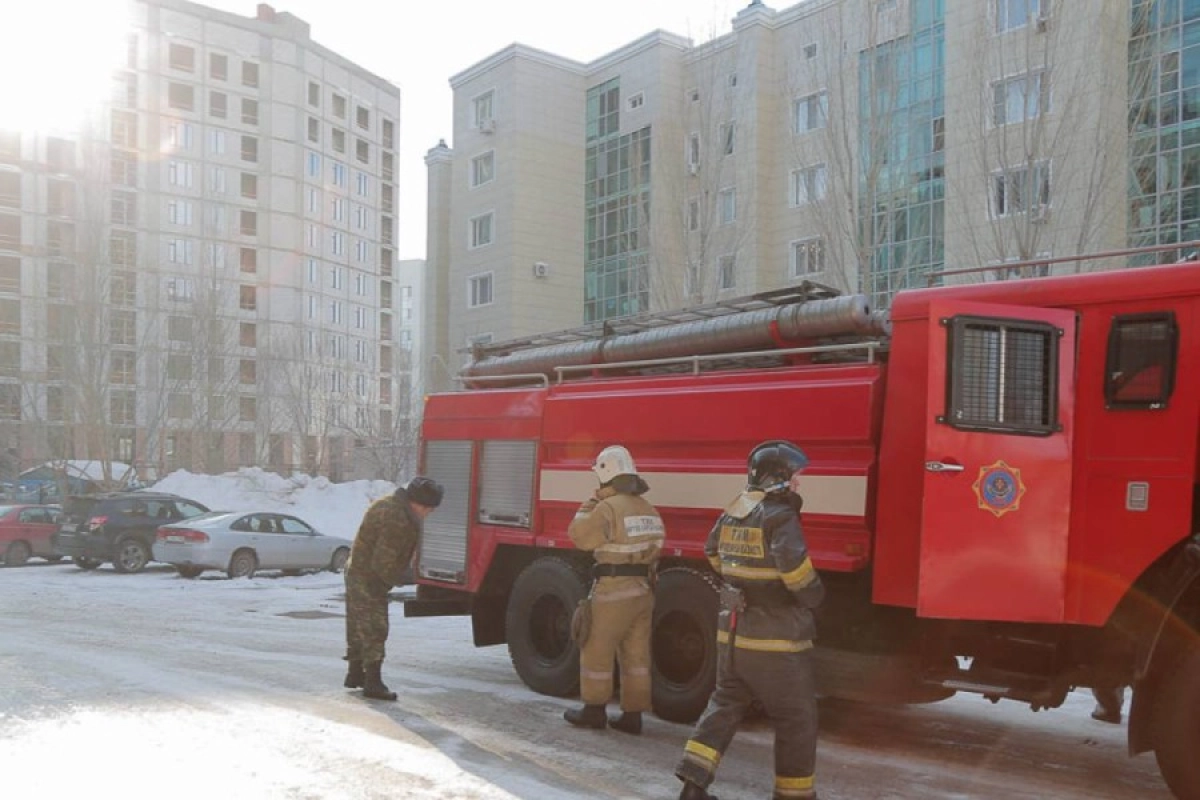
(373, 685)
(354, 674)
(628, 722)
(692, 791)
(586, 717)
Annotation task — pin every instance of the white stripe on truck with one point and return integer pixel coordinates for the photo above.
(838, 495)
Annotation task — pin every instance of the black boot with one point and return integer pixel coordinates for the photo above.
(628, 722)
(586, 717)
(373, 685)
(693, 792)
(354, 674)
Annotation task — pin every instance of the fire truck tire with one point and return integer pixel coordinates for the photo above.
(1177, 728)
(684, 644)
(538, 623)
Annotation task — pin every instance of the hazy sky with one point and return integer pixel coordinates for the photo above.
(419, 44)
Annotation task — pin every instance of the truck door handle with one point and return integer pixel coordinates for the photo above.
(939, 466)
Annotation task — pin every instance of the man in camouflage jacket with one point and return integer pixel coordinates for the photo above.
(383, 548)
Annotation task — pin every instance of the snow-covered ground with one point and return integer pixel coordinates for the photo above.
(150, 685)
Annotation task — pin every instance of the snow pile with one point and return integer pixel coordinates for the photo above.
(331, 508)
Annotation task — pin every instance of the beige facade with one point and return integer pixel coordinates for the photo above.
(228, 223)
(862, 144)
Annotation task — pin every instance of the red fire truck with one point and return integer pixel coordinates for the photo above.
(1001, 499)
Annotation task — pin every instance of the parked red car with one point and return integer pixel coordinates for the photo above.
(25, 531)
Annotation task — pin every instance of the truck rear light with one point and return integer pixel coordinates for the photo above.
(175, 534)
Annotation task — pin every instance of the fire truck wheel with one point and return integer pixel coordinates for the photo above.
(538, 623)
(684, 644)
(1177, 727)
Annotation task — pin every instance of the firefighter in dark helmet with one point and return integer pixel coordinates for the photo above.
(624, 533)
(766, 629)
(383, 548)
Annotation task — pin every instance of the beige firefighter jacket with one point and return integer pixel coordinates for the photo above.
(618, 529)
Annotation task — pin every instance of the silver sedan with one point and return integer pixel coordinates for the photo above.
(241, 542)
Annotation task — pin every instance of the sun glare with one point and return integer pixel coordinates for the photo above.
(57, 59)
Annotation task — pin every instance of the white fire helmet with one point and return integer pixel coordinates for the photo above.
(613, 461)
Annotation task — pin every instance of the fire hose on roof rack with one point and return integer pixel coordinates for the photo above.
(759, 329)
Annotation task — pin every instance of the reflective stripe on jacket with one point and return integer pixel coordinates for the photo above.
(618, 529)
(763, 553)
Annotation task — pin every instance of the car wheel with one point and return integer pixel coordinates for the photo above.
(131, 555)
(539, 626)
(18, 553)
(340, 557)
(189, 572)
(83, 562)
(1177, 725)
(242, 564)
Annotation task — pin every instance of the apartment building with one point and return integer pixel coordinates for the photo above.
(870, 145)
(202, 275)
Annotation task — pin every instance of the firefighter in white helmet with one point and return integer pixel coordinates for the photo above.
(624, 533)
(765, 631)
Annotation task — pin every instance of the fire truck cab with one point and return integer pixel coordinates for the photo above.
(1001, 497)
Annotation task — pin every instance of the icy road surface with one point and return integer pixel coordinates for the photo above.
(151, 686)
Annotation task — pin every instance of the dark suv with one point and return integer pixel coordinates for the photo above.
(117, 527)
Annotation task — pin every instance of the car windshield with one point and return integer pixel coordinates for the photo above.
(5, 509)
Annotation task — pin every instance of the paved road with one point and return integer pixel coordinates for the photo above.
(149, 684)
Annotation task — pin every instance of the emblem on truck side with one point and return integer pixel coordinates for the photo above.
(999, 488)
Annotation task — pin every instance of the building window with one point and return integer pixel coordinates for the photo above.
(179, 212)
(339, 209)
(179, 405)
(939, 134)
(249, 185)
(339, 106)
(1013, 14)
(810, 112)
(216, 142)
(479, 290)
(249, 111)
(217, 179)
(314, 130)
(339, 174)
(218, 66)
(481, 230)
(338, 243)
(179, 329)
(389, 134)
(248, 259)
(314, 94)
(339, 140)
(179, 251)
(693, 214)
(124, 130)
(216, 255)
(1021, 189)
(1020, 98)
(124, 169)
(727, 131)
(122, 407)
(248, 297)
(247, 370)
(808, 185)
(181, 96)
(362, 118)
(181, 57)
(807, 257)
(693, 152)
(482, 168)
(335, 277)
(362, 151)
(218, 104)
(810, 51)
(314, 165)
(362, 184)
(481, 110)
(335, 317)
(727, 205)
(636, 100)
(180, 289)
(250, 74)
(248, 223)
(248, 334)
(121, 367)
(247, 408)
(1141, 360)
(122, 328)
(250, 148)
(726, 272)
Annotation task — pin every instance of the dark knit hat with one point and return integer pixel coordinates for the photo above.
(425, 491)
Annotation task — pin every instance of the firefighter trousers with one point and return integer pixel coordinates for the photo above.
(783, 683)
(621, 623)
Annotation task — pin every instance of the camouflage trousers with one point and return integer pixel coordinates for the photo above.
(366, 618)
